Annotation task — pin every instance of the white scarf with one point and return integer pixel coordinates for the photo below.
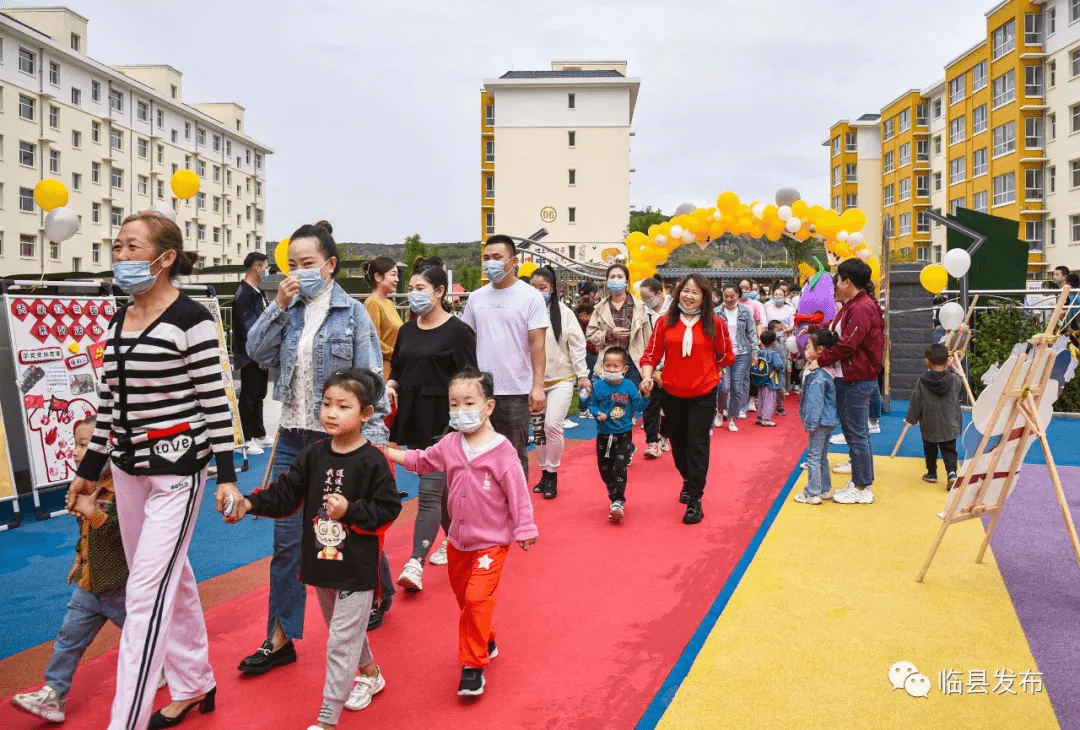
(688, 335)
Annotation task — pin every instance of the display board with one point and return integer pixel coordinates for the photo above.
(214, 306)
(57, 344)
(7, 481)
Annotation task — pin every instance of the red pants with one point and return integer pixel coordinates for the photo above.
(474, 576)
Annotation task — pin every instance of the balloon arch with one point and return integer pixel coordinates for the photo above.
(841, 233)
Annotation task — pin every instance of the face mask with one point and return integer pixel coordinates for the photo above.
(546, 295)
(134, 277)
(754, 295)
(420, 302)
(778, 300)
(465, 421)
(495, 271)
(744, 294)
(689, 312)
(612, 378)
(311, 281)
(616, 286)
(653, 304)
(265, 273)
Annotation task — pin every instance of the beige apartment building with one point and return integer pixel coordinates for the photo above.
(114, 136)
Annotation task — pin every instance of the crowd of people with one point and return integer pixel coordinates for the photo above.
(453, 399)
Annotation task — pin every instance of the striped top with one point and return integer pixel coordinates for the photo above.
(163, 405)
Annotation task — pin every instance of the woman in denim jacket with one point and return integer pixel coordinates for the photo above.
(311, 330)
(734, 389)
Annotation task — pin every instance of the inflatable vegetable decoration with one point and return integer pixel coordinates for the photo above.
(817, 306)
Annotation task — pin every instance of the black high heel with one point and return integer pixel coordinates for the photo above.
(206, 705)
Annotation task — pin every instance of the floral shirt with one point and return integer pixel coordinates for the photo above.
(300, 413)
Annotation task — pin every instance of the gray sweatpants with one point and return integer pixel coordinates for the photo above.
(347, 648)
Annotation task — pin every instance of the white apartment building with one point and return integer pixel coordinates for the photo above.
(114, 136)
(935, 96)
(555, 154)
(855, 160)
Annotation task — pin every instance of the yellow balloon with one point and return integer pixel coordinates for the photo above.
(934, 278)
(770, 213)
(799, 209)
(527, 268)
(50, 194)
(716, 229)
(636, 237)
(184, 184)
(853, 220)
(728, 202)
(281, 256)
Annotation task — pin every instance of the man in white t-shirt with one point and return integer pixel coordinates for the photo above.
(510, 319)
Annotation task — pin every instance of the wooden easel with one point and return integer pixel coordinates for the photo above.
(981, 489)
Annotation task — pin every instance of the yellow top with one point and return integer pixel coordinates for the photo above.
(387, 323)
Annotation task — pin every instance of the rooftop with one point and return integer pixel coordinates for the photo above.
(584, 74)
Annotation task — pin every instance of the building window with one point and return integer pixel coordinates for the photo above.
(851, 200)
(26, 107)
(27, 61)
(1051, 177)
(26, 200)
(161, 118)
(200, 168)
(143, 185)
(27, 154)
(570, 101)
(489, 150)
(922, 150)
(1005, 189)
(116, 100)
(54, 117)
(922, 222)
(979, 119)
(1034, 231)
(905, 154)
(200, 201)
(95, 91)
(571, 215)
(217, 235)
(161, 189)
(76, 181)
(1033, 81)
(956, 89)
(1074, 224)
(1051, 73)
(143, 148)
(161, 153)
(978, 76)
(937, 181)
(836, 203)
(489, 115)
(572, 177)
(54, 251)
(76, 42)
(173, 90)
(174, 136)
(95, 212)
(887, 164)
(1053, 125)
(1004, 88)
(200, 136)
(979, 201)
(216, 143)
(1051, 20)
(216, 173)
(922, 112)
(54, 161)
(95, 172)
(956, 129)
(851, 172)
(887, 225)
(1004, 139)
(1033, 133)
(851, 141)
(76, 96)
(117, 178)
(888, 194)
(1033, 29)
(1004, 40)
(903, 120)
(836, 145)
(979, 162)
(1033, 184)
(888, 129)
(217, 204)
(836, 176)
(956, 204)
(905, 224)
(935, 108)
(922, 253)
(142, 111)
(200, 234)
(28, 245)
(95, 252)
(922, 186)
(905, 189)
(116, 139)
(117, 216)
(187, 130)
(957, 170)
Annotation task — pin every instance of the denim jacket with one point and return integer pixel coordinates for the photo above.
(747, 331)
(346, 339)
(818, 404)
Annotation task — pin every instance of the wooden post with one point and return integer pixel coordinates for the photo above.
(900, 440)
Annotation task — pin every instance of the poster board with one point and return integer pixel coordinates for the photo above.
(214, 306)
(7, 480)
(56, 347)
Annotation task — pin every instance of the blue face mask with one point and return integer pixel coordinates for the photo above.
(546, 295)
(465, 421)
(265, 273)
(612, 378)
(778, 300)
(420, 302)
(134, 277)
(689, 312)
(754, 295)
(616, 286)
(495, 271)
(311, 281)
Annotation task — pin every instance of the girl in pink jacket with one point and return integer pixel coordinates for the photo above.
(490, 507)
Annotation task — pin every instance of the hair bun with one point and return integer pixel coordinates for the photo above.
(418, 263)
(325, 224)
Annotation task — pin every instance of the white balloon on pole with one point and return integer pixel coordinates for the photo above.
(783, 212)
(793, 225)
(842, 236)
(163, 208)
(685, 208)
(951, 315)
(676, 231)
(61, 224)
(957, 262)
(793, 344)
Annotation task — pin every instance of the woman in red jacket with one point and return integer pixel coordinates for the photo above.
(694, 346)
(856, 358)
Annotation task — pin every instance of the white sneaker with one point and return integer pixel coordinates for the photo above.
(616, 511)
(412, 577)
(567, 424)
(742, 416)
(439, 556)
(717, 421)
(805, 465)
(162, 683)
(844, 467)
(45, 703)
(807, 498)
(653, 451)
(752, 405)
(364, 689)
(252, 447)
(851, 495)
(731, 426)
(665, 444)
(875, 427)
(828, 494)
(838, 439)
(266, 442)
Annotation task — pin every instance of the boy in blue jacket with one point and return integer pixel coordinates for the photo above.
(614, 403)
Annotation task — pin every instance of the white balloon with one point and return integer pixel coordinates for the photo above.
(957, 262)
(61, 224)
(688, 237)
(758, 211)
(783, 212)
(854, 239)
(842, 236)
(793, 344)
(661, 240)
(163, 208)
(793, 224)
(951, 315)
(717, 215)
(676, 231)
(865, 253)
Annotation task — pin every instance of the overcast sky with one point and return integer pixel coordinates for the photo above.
(372, 106)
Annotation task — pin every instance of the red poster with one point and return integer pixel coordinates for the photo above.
(57, 309)
(93, 309)
(97, 353)
(95, 330)
(77, 361)
(33, 401)
(60, 331)
(108, 309)
(41, 332)
(44, 354)
(75, 310)
(77, 332)
(40, 309)
(20, 309)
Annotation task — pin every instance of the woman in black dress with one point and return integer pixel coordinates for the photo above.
(429, 351)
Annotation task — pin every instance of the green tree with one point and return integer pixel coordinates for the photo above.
(640, 220)
(413, 247)
(468, 277)
(996, 332)
(697, 263)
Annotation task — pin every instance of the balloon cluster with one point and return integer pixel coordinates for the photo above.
(790, 216)
(935, 277)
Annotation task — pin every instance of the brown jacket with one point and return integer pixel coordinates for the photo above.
(603, 322)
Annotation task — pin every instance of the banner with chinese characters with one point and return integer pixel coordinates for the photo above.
(55, 343)
(212, 304)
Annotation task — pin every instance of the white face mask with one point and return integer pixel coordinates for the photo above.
(465, 421)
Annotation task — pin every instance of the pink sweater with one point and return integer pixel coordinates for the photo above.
(489, 500)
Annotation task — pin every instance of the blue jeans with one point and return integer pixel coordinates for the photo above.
(817, 461)
(86, 613)
(734, 388)
(853, 404)
(288, 596)
(875, 403)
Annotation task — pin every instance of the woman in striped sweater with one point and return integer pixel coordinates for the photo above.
(164, 409)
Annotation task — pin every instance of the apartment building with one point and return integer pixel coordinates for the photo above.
(855, 172)
(114, 136)
(555, 154)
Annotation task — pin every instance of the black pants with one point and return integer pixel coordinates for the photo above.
(948, 455)
(613, 453)
(651, 417)
(253, 381)
(511, 419)
(688, 422)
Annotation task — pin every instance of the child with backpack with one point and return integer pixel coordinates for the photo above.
(765, 374)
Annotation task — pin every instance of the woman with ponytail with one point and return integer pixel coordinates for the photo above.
(565, 350)
(382, 277)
